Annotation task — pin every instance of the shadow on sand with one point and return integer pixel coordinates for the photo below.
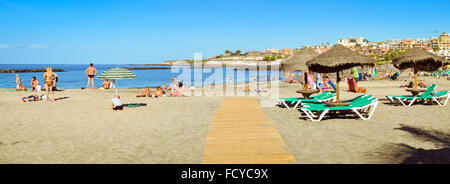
(62, 98)
(406, 154)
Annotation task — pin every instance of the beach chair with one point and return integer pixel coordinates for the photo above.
(440, 95)
(323, 97)
(404, 99)
(363, 106)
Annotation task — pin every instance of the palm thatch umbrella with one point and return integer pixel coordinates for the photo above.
(336, 59)
(298, 61)
(117, 73)
(447, 62)
(420, 60)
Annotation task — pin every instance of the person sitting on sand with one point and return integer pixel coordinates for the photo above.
(116, 103)
(159, 92)
(18, 82)
(19, 86)
(35, 84)
(176, 91)
(146, 93)
(31, 98)
(174, 84)
(106, 84)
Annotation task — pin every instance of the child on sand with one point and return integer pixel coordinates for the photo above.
(116, 103)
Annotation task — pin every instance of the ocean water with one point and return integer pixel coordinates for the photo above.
(75, 77)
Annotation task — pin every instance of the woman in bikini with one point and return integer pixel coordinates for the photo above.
(48, 77)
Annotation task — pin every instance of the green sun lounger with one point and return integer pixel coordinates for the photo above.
(363, 106)
(324, 97)
(409, 100)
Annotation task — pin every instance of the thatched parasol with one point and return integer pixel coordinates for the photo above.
(298, 62)
(420, 60)
(336, 59)
(446, 62)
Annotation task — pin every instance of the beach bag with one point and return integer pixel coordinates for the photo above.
(361, 90)
(352, 85)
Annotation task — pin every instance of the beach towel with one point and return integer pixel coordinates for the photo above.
(16, 90)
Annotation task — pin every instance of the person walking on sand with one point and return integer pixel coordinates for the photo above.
(48, 78)
(91, 72)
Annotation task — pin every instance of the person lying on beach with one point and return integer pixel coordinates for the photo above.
(411, 85)
(116, 103)
(146, 93)
(106, 84)
(31, 98)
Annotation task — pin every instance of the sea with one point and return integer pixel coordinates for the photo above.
(75, 77)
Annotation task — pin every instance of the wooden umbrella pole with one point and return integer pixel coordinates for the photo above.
(306, 81)
(415, 78)
(337, 87)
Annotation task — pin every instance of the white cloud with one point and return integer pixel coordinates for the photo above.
(38, 46)
(4, 46)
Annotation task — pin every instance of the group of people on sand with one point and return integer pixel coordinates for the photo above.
(159, 92)
(315, 81)
(50, 79)
(176, 88)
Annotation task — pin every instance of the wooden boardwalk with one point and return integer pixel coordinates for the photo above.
(241, 133)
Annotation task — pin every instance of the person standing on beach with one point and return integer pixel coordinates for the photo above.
(49, 75)
(91, 72)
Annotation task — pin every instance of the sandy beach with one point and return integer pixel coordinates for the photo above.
(80, 128)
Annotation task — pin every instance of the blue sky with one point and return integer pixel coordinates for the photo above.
(151, 31)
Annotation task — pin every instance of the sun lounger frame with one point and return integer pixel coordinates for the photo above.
(299, 101)
(365, 112)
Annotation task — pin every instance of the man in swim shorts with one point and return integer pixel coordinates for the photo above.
(91, 72)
